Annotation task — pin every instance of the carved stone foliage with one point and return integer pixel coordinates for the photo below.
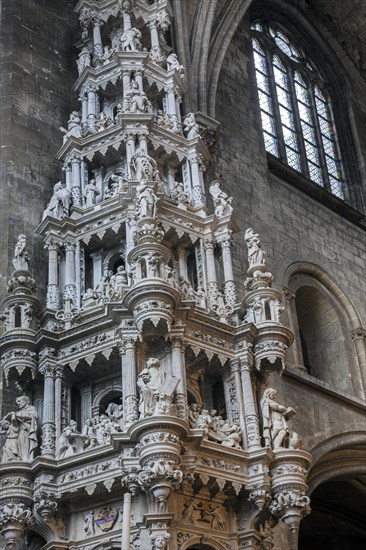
(290, 505)
(15, 517)
(45, 504)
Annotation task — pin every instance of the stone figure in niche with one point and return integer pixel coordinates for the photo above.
(191, 127)
(115, 413)
(59, 205)
(178, 194)
(101, 288)
(255, 253)
(89, 298)
(275, 416)
(221, 200)
(173, 63)
(21, 258)
(90, 193)
(162, 119)
(143, 166)
(90, 434)
(20, 428)
(156, 390)
(155, 55)
(73, 126)
(146, 201)
(120, 280)
(104, 121)
(71, 441)
(193, 414)
(200, 295)
(186, 290)
(107, 55)
(84, 59)
(215, 427)
(131, 40)
(118, 183)
(136, 100)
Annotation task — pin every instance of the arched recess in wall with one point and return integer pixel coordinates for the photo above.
(308, 36)
(337, 488)
(326, 327)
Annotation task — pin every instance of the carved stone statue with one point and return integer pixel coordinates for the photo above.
(179, 194)
(119, 281)
(146, 201)
(89, 298)
(191, 127)
(107, 55)
(143, 166)
(255, 253)
(21, 258)
(275, 430)
(73, 126)
(131, 40)
(21, 432)
(90, 193)
(84, 59)
(221, 200)
(162, 119)
(173, 63)
(136, 100)
(59, 205)
(71, 441)
(160, 541)
(150, 381)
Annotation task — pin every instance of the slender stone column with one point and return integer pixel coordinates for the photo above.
(154, 34)
(70, 286)
(76, 180)
(130, 148)
(182, 262)
(250, 411)
(235, 368)
(68, 174)
(198, 196)
(58, 401)
(126, 522)
(97, 38)
(139, 77)
(178, 370)
(129, 381)
(212, 286)
(359, 341)
(126, 81)
(229, 285)
(48, 420)
(53, 290)
(291, 313)
(83, 98)
(92, 106)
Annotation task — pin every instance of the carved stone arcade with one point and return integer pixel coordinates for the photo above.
(143, 381)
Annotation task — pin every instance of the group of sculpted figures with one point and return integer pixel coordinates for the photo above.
(156, 398)
(110, 287)
(96, 431)
(214, 426)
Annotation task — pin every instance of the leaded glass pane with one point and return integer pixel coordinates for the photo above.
(304, 112)
(289, 137)
(336, 187)
(262, 81)
(308, 132)
(283, 97)
(260, 62)
(293, 159)
(312, 152)
(286, 117)
(271, 144)
(315, 174)
(268, 123)
(328, 146)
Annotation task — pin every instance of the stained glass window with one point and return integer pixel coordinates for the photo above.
(296, 110)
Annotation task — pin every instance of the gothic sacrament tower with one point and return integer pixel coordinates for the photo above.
(144, 417)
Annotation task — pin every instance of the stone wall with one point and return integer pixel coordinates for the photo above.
(37, 73)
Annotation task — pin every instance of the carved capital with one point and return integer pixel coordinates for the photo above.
(290, 505)
(45, 504)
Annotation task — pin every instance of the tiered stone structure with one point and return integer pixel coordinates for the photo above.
(148, 423)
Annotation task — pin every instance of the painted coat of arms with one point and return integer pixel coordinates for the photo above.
(106, 518)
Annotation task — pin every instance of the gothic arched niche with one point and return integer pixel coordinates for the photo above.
(322, 337)
(337, 518)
